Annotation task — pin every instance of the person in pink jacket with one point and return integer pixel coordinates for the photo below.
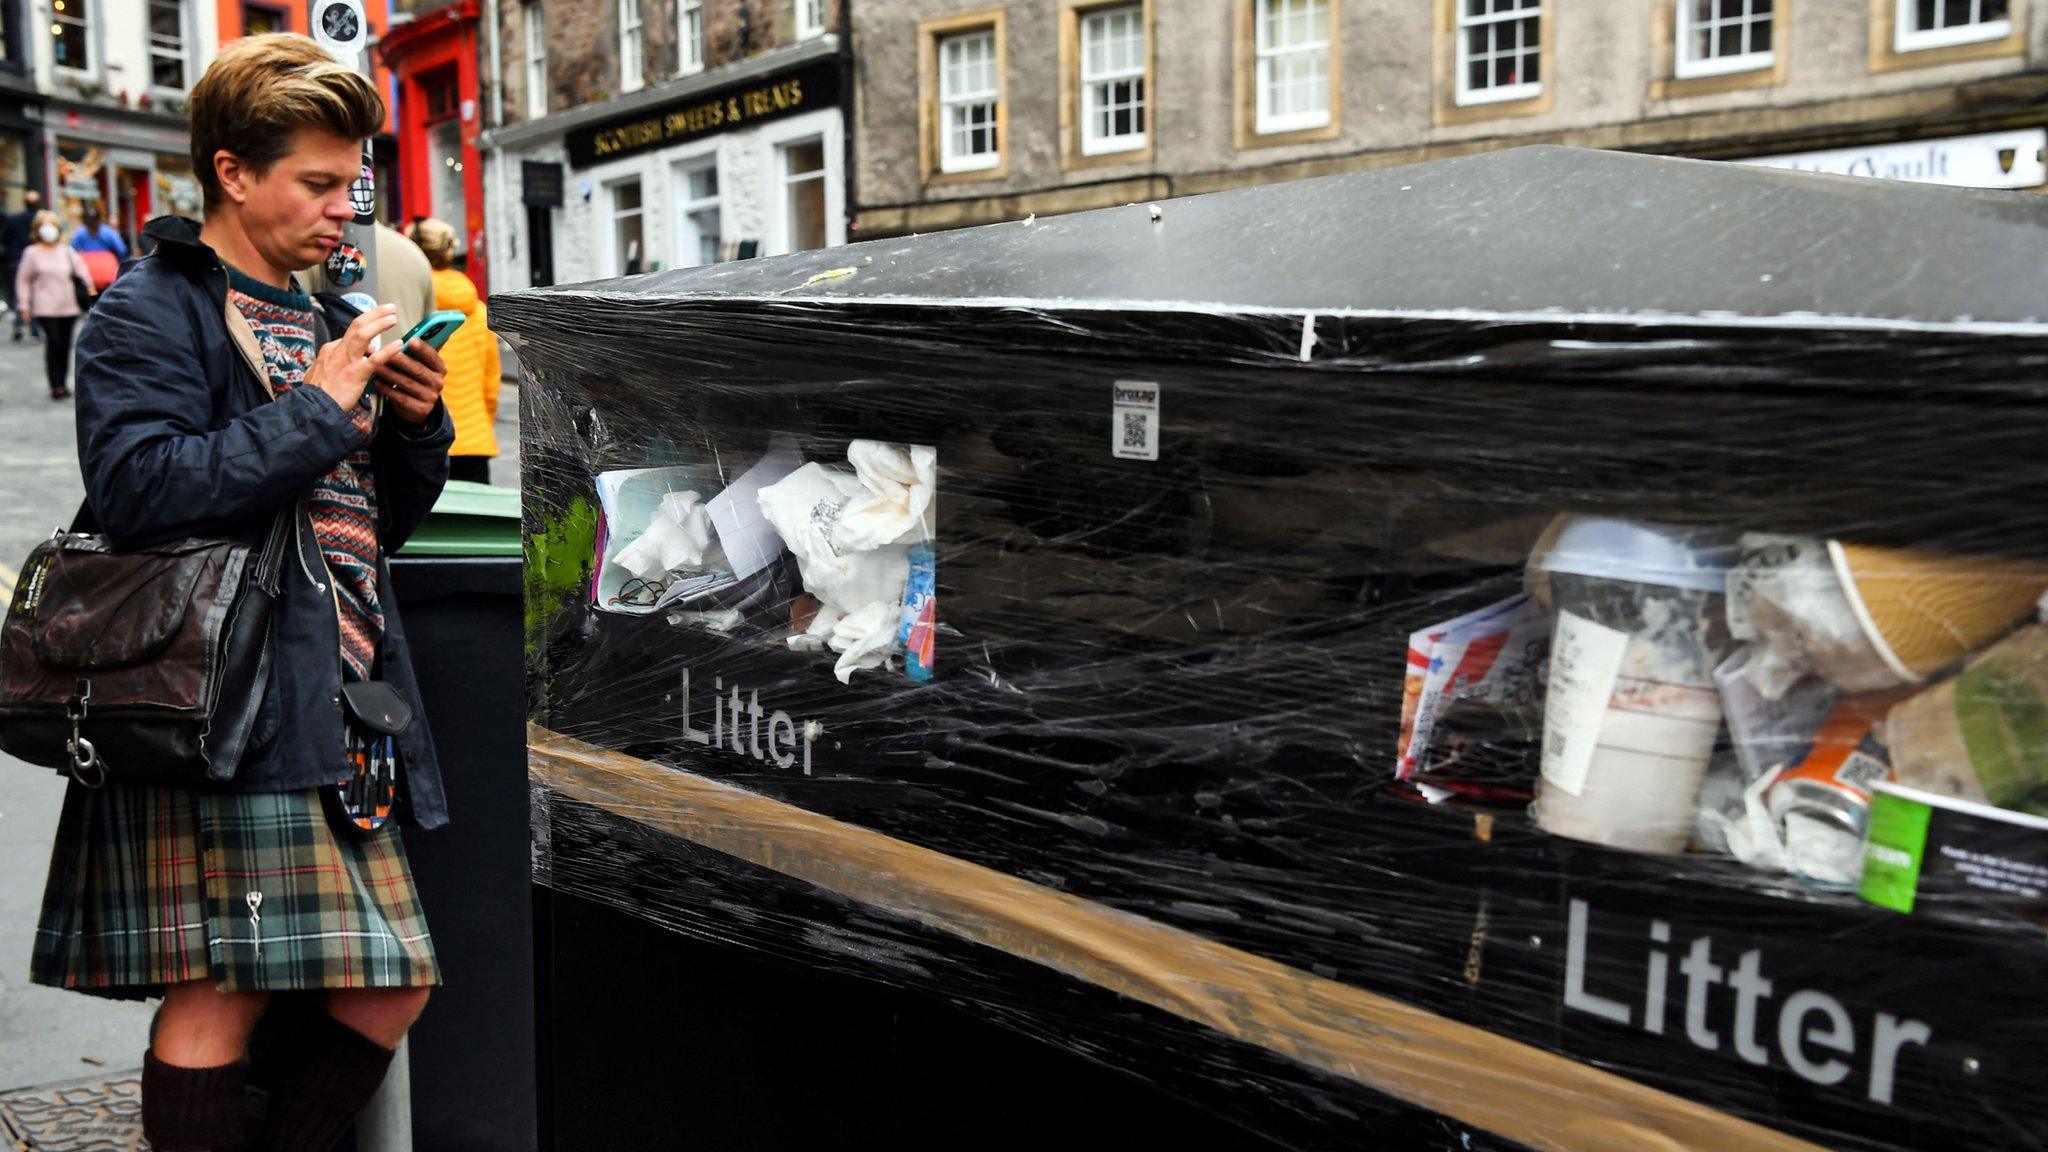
(43, 285)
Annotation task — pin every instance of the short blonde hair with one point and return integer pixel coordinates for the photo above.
(436, 238)
(261, 90)
(45, 216)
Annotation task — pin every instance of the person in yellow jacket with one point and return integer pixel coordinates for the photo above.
(471, 355)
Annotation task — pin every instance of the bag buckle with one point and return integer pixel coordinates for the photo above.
(86, 766)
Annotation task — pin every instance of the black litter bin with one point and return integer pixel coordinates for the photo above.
(1286, 542)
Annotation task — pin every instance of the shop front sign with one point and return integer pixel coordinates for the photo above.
(1992, 160)
(725, 110)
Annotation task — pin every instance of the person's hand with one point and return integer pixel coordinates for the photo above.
(412, 380)
(344, 367)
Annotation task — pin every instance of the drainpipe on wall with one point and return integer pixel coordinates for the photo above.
(849, 203)
(497, 96)
(494, 205)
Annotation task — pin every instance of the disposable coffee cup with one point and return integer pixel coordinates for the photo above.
(1631, 712)
(1923, 610)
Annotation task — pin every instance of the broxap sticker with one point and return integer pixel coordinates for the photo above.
(1134, 420)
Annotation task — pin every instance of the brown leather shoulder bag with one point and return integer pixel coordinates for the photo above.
(147, 665)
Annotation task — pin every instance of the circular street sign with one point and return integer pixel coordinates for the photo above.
(339, 27)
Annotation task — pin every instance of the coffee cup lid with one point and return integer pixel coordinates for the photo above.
(1636, 551)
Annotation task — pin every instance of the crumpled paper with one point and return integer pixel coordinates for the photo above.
(676, 537)
(851, 533)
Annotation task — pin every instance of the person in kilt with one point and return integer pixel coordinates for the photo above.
(217, 898)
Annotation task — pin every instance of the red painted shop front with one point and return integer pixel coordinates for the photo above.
(440, 170)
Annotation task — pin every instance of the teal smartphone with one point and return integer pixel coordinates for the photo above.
(435, 329)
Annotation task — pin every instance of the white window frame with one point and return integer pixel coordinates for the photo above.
(91, 67)
(157, 51)
(1094, 85)
(810, 18)
(1907, 38)
(695, 160)
(1265, 56)
(689, 41)
(824, 124)
(632, 46)
(536, 59)
(1463, 56)
(614, 264)
(1690, 67)
(949, 160)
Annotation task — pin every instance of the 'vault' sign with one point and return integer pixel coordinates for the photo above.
(706, 114)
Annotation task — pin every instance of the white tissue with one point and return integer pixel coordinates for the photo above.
(897, 506)
(1752, 835)
(675, 538)
(863, 639)
(805, 507)
(851, 533)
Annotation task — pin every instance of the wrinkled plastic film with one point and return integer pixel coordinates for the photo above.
(1537, 678)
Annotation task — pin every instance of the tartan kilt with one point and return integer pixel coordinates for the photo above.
(155, 886)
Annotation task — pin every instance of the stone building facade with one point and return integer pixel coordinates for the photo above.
(101, 91)
(633, 135)
(972, 111)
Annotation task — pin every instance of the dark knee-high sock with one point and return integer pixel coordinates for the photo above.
(191, 1109)
(326, 1081)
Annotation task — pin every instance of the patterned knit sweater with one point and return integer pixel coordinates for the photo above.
(344, 505)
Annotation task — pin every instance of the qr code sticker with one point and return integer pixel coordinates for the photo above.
(1134, 417)
(1861, 770)
(1137, 431)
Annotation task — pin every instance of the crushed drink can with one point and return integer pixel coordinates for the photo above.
(1822, 802)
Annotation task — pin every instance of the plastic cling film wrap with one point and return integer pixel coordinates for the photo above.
(1146, 754)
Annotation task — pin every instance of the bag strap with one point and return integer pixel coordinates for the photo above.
(244, 338)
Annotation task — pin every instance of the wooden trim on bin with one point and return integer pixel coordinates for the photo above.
(1515, 1090)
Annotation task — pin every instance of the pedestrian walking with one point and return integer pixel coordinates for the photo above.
(17, 232)
(471, 355)
(213, 394)
(101, 245)
(46, 289)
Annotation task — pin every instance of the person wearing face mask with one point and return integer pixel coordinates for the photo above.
(46, 292)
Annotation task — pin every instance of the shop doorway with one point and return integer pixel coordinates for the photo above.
(447, 193)
(132, 192)
(540, 246)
